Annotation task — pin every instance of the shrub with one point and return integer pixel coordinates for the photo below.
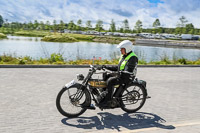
(7, 58)
(197, 62)
(142, 62)
(182, 61)
(165, 59)
(21, 61)
(56, 58)
(43, 61)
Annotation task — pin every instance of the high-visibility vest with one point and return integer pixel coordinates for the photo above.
(123, 64)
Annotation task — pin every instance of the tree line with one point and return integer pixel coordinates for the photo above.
(183, 26)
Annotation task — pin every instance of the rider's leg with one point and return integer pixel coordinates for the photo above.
(111, 82)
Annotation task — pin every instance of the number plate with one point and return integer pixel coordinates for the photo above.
(70, 84)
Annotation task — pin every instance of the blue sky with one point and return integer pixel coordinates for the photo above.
(168, 11)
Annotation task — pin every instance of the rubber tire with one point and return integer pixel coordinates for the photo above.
(134, 110)
(88, 102)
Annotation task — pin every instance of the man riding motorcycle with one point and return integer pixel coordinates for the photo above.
(127, 66)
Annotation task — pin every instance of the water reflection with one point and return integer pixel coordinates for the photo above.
(34, 47)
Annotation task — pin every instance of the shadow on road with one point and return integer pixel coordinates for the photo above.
(107, 120)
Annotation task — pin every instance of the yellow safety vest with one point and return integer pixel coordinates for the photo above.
(123, 64)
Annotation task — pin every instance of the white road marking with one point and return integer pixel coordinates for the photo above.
(157, 128)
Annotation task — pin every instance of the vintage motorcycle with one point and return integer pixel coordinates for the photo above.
(75, 98)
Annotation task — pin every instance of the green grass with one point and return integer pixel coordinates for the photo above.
(59, 38)
(2, 36)
(33, 33)
(81, 37)
(58, 59)
(110, 39)
(66, 37)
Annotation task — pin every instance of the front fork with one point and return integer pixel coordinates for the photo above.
(78, 95)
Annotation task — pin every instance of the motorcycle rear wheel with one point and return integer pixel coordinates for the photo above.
(69, 105)
(133, 98)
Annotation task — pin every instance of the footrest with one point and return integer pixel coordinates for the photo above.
(92, 107)
(148, 97)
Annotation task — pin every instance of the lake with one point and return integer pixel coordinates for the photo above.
(33, 47)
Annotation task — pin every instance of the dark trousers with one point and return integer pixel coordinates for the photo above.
(111, 82)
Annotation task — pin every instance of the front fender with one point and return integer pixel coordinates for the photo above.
(71, 83)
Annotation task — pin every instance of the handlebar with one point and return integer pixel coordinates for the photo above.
(94, 68)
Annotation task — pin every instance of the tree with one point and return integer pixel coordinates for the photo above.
(182, 22)
(138, 26)
(125, 26)
(71, 25)
(5, 24)
(61, 25)
(54, 25)
(47, 25)
(181, 25)
(1, 21)
(99, 25)
(189, 28)
(30, 25)
(112, 26)
(88, 25)
(79, 24)
(42, 26)
(36, 24)
(156, 23)
(121, 30)
(160, 30)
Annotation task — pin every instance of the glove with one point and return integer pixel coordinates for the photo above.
(103, 66)
(99, 67)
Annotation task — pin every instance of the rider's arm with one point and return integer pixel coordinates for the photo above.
(112, 68)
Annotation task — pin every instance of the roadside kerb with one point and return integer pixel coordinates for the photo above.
(84, 66)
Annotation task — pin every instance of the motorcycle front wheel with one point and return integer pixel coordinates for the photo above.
(133, 98)
(69, 101)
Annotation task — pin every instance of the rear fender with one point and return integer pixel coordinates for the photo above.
(141, 83)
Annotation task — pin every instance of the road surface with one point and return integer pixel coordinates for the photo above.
(27, 97)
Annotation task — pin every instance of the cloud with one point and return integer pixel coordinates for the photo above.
(122, 13)
(168, 11)
(183, 6)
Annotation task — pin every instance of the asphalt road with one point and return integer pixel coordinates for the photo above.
(27, 103)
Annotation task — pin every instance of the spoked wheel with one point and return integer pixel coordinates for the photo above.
(133, 98)
(70, 100)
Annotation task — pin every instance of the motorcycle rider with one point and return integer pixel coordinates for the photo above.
(127, 66)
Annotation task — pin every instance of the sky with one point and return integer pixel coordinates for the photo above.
(167, 11)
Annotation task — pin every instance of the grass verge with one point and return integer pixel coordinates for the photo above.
(2, 36)
(58, 59)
